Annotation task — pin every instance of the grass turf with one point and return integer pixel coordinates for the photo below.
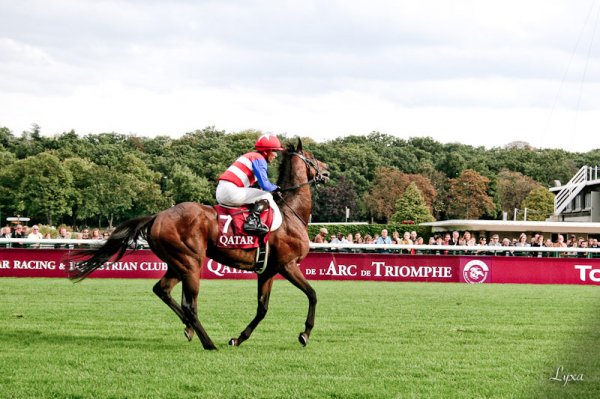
(115, 339)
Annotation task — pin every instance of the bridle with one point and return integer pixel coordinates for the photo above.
(310, 163)
(319, 177)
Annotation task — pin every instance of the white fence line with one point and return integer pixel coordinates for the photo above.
(451, 248)
(44, 243)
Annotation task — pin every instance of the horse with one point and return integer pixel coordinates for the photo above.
(185, 234)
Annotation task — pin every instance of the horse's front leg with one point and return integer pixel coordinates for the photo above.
(265, 283)
(294, 275)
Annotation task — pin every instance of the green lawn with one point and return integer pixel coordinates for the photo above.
(115, 339)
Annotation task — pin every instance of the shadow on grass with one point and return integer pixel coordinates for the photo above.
(579, 357)
(29, 338)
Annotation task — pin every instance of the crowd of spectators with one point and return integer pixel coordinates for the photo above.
(34, 233)
(481, 246)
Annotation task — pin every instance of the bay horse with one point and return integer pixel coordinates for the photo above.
(185, 234)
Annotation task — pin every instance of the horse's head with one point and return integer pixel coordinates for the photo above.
(316, 171)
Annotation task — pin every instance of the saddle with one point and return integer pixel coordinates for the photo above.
(233, 236)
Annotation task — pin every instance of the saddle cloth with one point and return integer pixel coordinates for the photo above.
(231, 227)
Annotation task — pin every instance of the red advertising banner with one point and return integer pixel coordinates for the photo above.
(334, 266)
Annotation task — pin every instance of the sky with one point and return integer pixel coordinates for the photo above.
(482, 73)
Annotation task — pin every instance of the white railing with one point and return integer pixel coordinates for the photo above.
(469, 250)
(473, 250)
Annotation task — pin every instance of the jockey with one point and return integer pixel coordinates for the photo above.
(234, 184)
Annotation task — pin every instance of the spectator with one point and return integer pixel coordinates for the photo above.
(396, 238)
(534, 240)
(405, 240)
(35, 235)
(5, 233)
(447, 237)
(584, 244)
(85, 234)
(495, 241)
(573, 245)
(549, 244)
(368, 239)
(339, 239)
(560, 242)
(482, 243)
(384, 239)
(506, 244)
(105, 235)
(469, 239)
(439, 240)
(522, 243)
(358, 239)
(18, 233)
(455, 238)
(413, 236)
(96, 234)
(538, 241)
(63, 234)
(321, 237)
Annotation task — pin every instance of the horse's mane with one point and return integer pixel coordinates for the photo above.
(285, 166)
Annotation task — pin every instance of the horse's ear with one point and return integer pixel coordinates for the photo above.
(299, 146)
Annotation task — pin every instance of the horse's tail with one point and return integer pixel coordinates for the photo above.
(124, 238)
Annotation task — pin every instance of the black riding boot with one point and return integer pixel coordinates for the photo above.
(253, 224)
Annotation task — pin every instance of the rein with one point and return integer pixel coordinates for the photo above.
(316, 180)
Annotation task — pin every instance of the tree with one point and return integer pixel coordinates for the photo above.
(512, 188)
(85, 201)
(411, 206)
(186, 186)
(42, 187)
(388, 186)
(116, 191)
(426, 189)
(331, 201)
(539, 203)
(468, 198)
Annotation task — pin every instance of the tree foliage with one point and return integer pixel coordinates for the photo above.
(512, 188)
(468, 197)
(411, 206)
(112, 177)
(539, 203)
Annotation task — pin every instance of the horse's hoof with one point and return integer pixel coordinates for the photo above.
(189, 334)
(233, 342)
(210, 347)
(303, 339)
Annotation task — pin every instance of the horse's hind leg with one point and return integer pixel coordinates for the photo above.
(265, 283)
(163, 289)
(191, 287)
(294, 275)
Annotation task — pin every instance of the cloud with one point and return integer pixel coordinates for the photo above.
(482, 73)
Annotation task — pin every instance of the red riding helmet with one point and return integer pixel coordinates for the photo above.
(268, 142)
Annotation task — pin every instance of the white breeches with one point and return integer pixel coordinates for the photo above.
(231, 195)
